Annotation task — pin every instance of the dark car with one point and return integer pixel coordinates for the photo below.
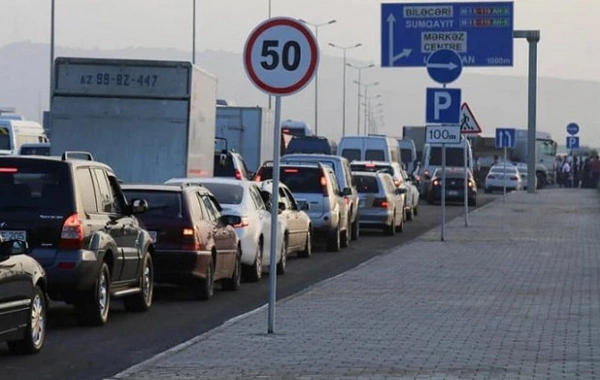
(195, 245)
(23, 299)
(311, 144)
(80, 229)
(455, 186)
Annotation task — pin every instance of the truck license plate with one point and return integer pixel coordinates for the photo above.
(13, 235)
(452, 193)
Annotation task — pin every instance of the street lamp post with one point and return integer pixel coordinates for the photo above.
(316, 26)
(359, 69)
(51, 52)
(366, 86)
(344, 49)
(194, 32)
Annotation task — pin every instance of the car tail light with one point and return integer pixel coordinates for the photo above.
(71, 236)
(397, 183)
(381, 202)
(370, 165)
(290, 171)
(189, 241)
(514, 178)
(347, 200)
(324, 186)
(426, 174)
(436, 182)
(8, 170)
(243, 223)
(258, 175)
(470, 183)
(238, 174)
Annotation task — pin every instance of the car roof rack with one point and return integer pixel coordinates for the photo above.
(78, 155)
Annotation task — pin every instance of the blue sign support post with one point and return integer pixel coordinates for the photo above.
(481, 33)
(505, 138)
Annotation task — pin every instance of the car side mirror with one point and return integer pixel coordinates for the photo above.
(230, 220)
(139, 206)
(347, 191)
(304, 207)
(400, 191)
(13, 247)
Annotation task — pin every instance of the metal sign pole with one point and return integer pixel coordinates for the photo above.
(443, 191)
(504, 193)
(466, 198)
(274, 215)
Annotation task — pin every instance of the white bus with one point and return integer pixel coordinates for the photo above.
(15, 132)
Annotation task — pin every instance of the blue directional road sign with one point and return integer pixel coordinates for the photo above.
(444, 66)
(481, 33)
(572, 129)
(505, 138)
(572, 142)
(442, 105)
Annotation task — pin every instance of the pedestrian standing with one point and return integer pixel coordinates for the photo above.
(566, 173)
(595, 169)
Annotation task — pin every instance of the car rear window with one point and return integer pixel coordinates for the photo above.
(226, 193)
(163, 204)
(366, 184)
(298, 179)
(35, 185)
(351, 154)
(35, 151)
(374, 155)
(309, 145)
(372, 168)
(223, 166)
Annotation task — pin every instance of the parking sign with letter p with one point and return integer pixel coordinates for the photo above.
(443, 105)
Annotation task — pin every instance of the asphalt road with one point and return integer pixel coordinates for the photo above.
(74, 353)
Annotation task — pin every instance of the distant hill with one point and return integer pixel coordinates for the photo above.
(497, 101)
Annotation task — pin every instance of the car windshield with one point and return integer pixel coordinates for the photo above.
(366, 184)
(226, 193)
(166, 204)
(305, 180)
(34, 185)
(454, 156)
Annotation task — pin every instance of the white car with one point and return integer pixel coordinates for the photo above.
(497, 178)
(243, 198)
(298, 228)
(523, 171)
(412, 195)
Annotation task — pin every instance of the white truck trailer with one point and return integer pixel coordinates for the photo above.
(248, 131)
(149, 120)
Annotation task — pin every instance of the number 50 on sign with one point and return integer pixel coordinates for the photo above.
(281, 55)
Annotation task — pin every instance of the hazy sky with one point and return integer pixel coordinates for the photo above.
(569, 46)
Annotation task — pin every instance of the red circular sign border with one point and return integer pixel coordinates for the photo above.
(248, 56)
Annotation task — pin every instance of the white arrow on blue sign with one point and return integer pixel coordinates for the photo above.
(505, 138)
(444, 66)
(572, 129)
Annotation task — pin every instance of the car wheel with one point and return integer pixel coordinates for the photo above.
(355, 229)
(416, 211)
(307, 252)
(409, 214)
(94, 311)
(345, 242)
(254, 271)
(333, 240)
(235, 281)
(400, 227)
(390, 230)
(35, 333)
(143, 300)
(473, 202)
(281, 265)
(206, 289)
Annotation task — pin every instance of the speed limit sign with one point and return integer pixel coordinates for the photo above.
(281, 56)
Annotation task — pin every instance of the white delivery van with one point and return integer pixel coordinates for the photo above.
(15, 132)
(432, 159)
(369, 148)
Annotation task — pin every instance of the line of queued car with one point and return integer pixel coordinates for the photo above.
(82, 237)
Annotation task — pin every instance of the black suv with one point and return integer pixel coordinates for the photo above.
(81, 229)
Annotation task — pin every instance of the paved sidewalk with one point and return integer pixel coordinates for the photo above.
(514, 296)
